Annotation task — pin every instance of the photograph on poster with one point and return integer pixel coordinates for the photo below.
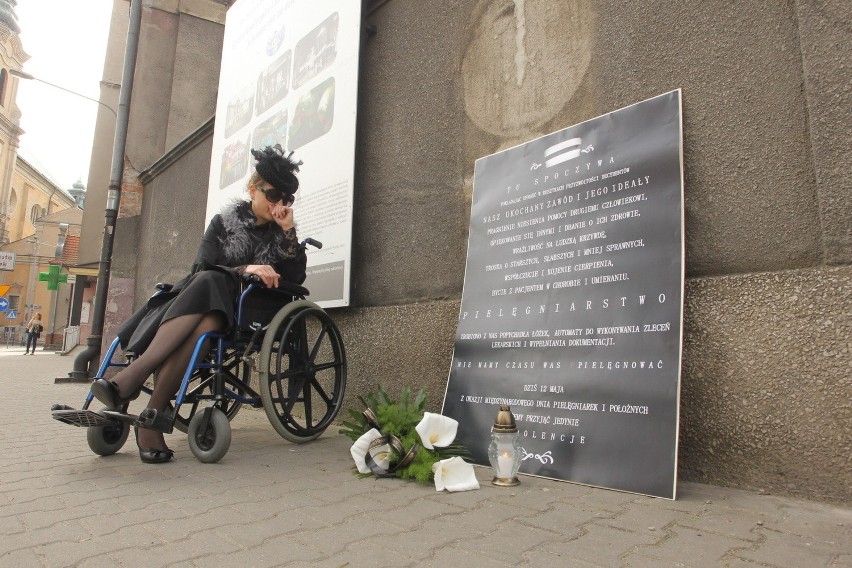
(271, 131)
(273, 84)
(316, 51)
(572, 305)
(314, 115)
(234, 163)
(240, 109)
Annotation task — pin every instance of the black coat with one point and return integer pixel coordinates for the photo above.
(232, 241)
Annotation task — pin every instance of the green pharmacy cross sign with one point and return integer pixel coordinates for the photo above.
(53, 277)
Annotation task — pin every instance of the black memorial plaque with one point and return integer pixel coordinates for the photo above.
(572, 303)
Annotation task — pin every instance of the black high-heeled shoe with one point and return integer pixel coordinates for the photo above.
(107, 392)
(152, 455)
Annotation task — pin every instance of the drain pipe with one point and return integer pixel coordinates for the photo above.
(87, 362)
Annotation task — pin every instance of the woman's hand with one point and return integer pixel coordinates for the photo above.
(282, 215)
(265, 272)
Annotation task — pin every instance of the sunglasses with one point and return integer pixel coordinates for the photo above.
(275, 195)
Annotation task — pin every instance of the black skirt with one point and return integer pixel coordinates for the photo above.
(203, 292)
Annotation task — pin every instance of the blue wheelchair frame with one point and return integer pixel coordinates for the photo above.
(286, 335)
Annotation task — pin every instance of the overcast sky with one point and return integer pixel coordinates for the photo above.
(66, 41)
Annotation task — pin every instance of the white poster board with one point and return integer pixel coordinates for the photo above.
(289, 76)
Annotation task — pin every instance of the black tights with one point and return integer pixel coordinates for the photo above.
(170, 351)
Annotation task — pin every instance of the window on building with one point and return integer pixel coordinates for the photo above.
(13, 302)
(4, 78)
(36, 212)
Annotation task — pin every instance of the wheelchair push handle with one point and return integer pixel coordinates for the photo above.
(313, 242)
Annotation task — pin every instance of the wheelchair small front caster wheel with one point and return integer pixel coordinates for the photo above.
(209, 435)
(108, 439)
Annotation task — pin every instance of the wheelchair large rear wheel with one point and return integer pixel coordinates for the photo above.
(302, 369)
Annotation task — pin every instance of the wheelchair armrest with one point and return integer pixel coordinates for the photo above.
(284, 287)
(293, 289)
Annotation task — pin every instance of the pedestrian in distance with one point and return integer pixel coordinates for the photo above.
(34, 329)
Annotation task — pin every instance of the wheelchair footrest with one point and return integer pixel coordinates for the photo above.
(81, 418)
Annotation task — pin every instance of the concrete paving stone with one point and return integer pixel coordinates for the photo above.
(545, 559)
(64, 531)
(510, 542)
(703, 548)
(689, 501)
(465, 499)
(10, 525)
(366, 554)
(174, 530)
(25, 557)
(747, 501)
(559, 518)
(194, 546)
(825, 522)
(200, 503)
(339, 492)
(642, 561)
(336, 513)
(263, 508)
(280, 551)
(396, 492)
(104, 525)
(454, 556)
(282, 484)
(61, 553)
(334, 539)
(642, 516)
(489, 514)
(599, 545)
(440, 532)
(539, 498)
(101, 561)
(28, 502)
(418, 513)
(743, 525)
(842, 560)
(60, 513)
(605, 500)
(783, 549)
(257, 533)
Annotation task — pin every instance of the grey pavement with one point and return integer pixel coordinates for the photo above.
(272, 503)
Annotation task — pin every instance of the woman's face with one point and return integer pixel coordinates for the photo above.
(260, 205)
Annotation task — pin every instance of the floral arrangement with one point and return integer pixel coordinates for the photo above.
(400, 439)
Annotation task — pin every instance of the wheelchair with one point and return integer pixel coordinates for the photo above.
(290, 344)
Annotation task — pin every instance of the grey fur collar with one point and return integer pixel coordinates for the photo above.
(244, 242)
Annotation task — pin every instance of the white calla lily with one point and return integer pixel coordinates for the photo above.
(359, 451)
(454, 474)
(436, 430)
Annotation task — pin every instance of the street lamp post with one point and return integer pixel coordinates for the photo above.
(21, 75)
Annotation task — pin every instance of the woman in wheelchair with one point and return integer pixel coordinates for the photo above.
(255, 237)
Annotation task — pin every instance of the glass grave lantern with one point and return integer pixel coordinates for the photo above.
(504, 453)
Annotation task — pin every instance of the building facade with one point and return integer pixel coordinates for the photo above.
(36, 215)
(765, 377)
